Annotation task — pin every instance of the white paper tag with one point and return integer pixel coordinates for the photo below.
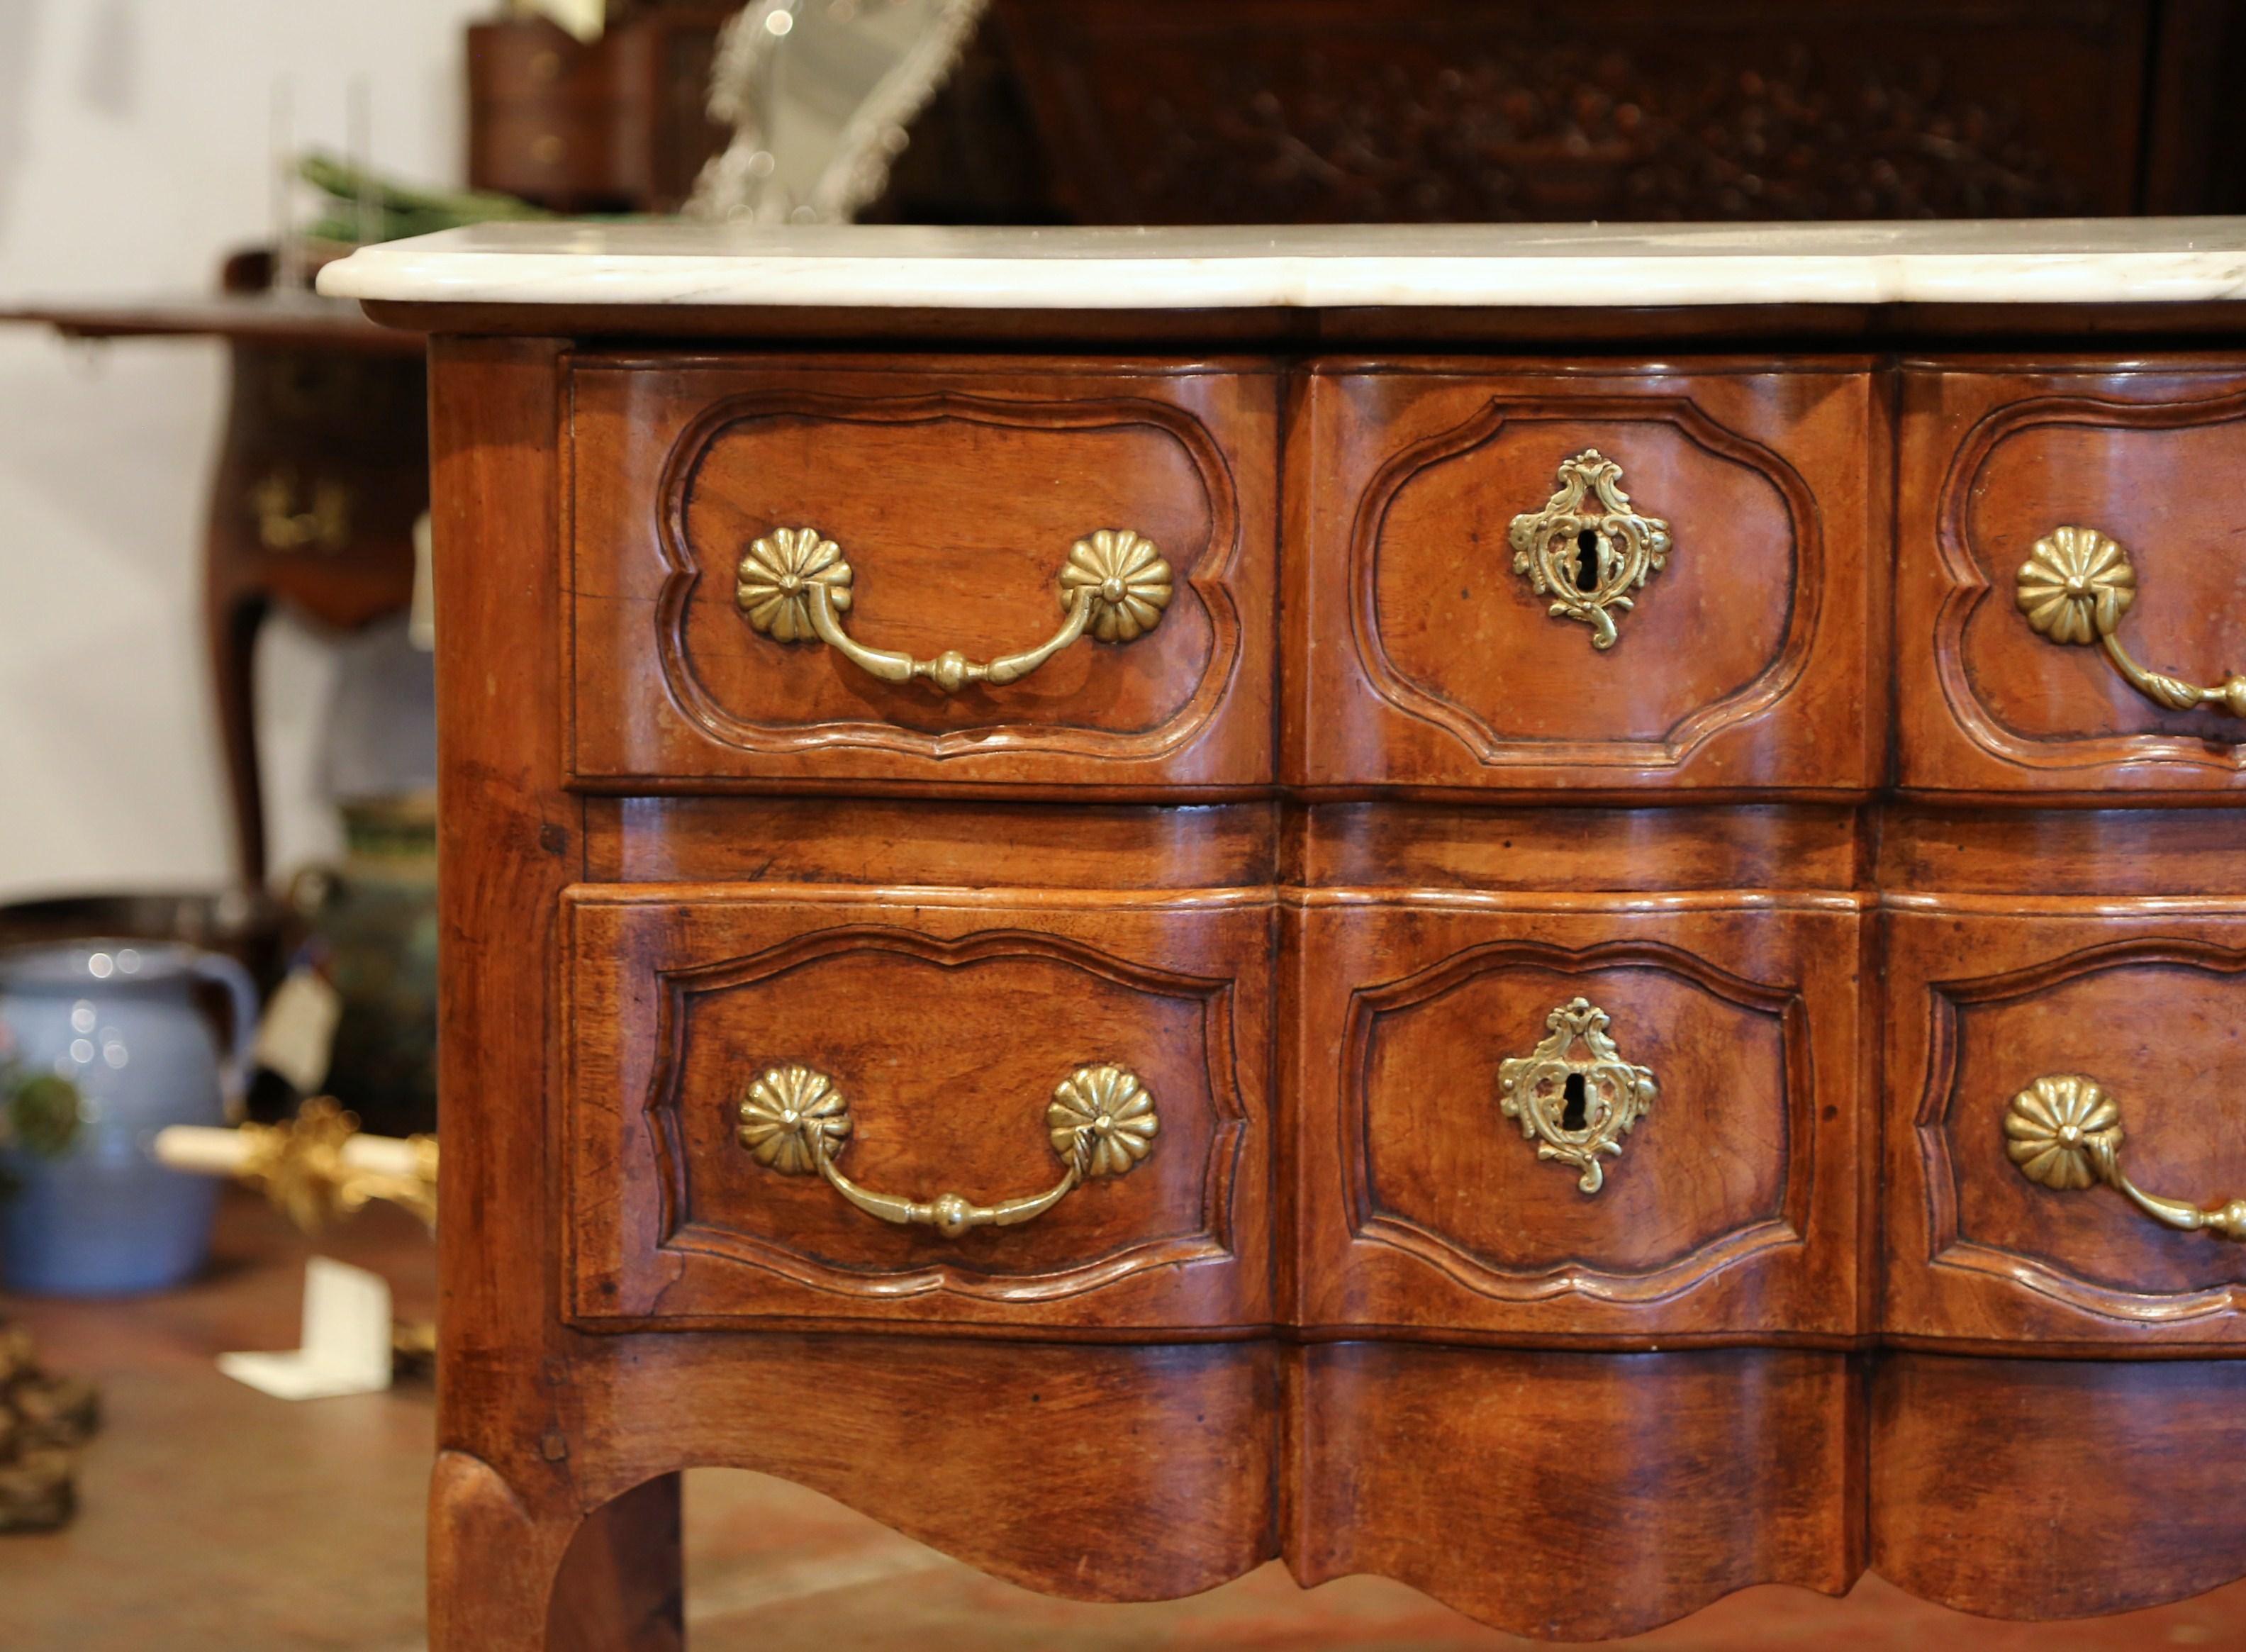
(583, 18)
(421, 616)
(347, 1339)
(298, 1034)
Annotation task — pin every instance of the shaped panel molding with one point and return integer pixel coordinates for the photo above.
(1731, 1211)
(1996, 464)
(929, 1026)
(957, 495)
(1726, 599)
(2145, 1006)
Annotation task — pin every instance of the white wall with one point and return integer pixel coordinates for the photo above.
(133, 144)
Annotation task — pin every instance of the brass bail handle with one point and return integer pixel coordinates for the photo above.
(2064, 1131)
(794, 585)
(2074, 587)
(1101, 1122)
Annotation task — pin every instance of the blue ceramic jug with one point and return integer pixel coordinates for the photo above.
(120, 1020)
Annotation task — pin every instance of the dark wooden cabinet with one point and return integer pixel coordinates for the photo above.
(1615, 111)
(1185, 112)
(614, 124)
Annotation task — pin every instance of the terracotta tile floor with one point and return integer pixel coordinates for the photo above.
(217, 1520)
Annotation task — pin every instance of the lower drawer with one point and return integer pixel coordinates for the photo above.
(1546, 1116)
(2045, 1059)
(1032, 1111)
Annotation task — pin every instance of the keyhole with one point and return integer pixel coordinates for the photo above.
(1571, 1114)
(1587, 559)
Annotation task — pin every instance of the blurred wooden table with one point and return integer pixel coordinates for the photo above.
(321, 471)
(210, 1515)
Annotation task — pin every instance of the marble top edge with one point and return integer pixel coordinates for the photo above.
(2072, 260)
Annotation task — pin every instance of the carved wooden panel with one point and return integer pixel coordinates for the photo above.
(948, 1025)
(1993, 460)
(1101, 1472)
(1329, 111)
(2057, 1488)
(2149, 1000)
(1569, 1496)
(1731, 1208)
(1421, 653)
(955, 493)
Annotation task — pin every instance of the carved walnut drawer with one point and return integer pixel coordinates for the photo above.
(2089, 498)
(936, 517)
(1557, 915)
(1446, 514)
(704, 1204)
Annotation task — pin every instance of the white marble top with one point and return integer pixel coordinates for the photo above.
(2072, 260)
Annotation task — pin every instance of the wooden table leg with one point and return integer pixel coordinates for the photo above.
(623, 1588)
(321, 473)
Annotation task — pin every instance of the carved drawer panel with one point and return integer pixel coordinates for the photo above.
(825, 1106)
(2066, 1123)
(802, 570)
(2071, 604)
(1616, 577)
(1546, 1117)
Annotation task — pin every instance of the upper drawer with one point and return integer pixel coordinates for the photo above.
(794, 569)
(1625, 576)
(1033, 1111)
(2072, 593)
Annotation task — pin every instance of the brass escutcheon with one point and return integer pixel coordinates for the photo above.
(1574, 1094)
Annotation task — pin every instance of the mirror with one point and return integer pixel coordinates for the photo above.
(819, 94)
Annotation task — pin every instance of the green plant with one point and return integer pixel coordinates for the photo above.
(38, 1115)
(396, 209)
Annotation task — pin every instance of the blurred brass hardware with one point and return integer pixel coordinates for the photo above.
(2074, 587)
(324, 525)
(1588, 562)
(303, 1167)
(1574, 1094)
(1100, 1121)
(794, 585)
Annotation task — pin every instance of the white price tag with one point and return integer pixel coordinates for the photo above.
(298, 1034)
(347, 1339)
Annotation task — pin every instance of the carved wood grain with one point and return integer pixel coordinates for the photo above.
(1186, 707)
(1207, 578)
(2044, 1488)
(1786, 1266)
(1781, 1225)
(1425, 701)
(647, 1254)
(1096, 1473)
(1416, 658)
(1945, 1282)
(1567, 1495)
(682, 1232)
(1957, 741)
